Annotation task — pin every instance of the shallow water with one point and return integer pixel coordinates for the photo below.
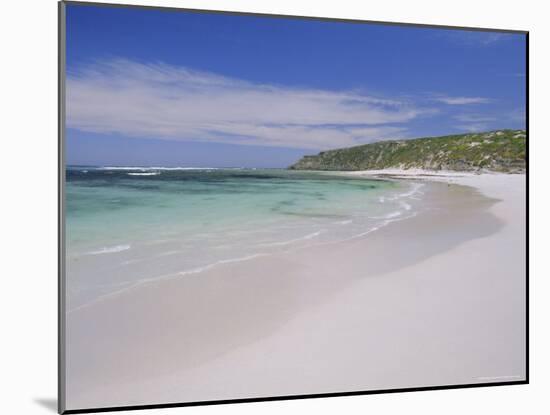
(129, 225)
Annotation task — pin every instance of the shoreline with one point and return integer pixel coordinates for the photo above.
(509, 188)
(482, 181)
(419, 302)
(371, 214)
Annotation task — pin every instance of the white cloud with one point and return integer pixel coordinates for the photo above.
(473, 118)
(473, 123)
(462, 100)
(175, 103)
(488, 38)
(476, 38)
(483, 122)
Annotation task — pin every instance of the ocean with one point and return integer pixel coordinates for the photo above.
(134, 225)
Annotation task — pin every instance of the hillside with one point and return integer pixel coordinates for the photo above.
(503, 151)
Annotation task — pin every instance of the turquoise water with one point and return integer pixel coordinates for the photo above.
(127, 225)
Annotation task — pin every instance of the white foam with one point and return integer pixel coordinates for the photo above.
(291, 241)
(109, 250)
(136, 284)
(366, 232)
(386, 222)
(122, 168)
(343, 222)
(209, 266)
(159, 168)
(154, 173)
(415, 189)
(390, 215)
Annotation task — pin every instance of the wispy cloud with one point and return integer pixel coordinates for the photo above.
(487, 38)
(501, 119)
(476, 38)
(177, 103)
(474, 118)
(462, 100)
(473, 123)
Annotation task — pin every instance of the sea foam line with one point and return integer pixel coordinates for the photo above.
(153, 173)
(109, 250)
(291, 241)
(415, 188)
(209, 266)
(163, 168)
(344, 222)
(383, 224)
(136, 284)
(390, 215)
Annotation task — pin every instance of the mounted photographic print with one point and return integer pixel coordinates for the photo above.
(258, 207)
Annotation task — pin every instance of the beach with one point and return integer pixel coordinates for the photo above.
(430, 299)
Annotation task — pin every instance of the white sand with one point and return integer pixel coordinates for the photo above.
(438, 299)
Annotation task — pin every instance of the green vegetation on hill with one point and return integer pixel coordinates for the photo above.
(503, 150)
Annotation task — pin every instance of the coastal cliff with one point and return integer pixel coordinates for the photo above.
(502, 151)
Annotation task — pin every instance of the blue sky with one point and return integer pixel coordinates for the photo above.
(158, 87)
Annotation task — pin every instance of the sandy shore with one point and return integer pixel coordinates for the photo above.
(437, 299)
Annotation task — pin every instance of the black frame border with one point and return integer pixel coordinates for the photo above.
(61, 212)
